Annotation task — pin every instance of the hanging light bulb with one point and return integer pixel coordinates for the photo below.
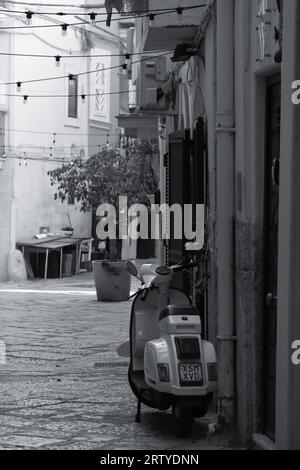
(29, 17)
(151, 19)
(124, 69)
(83, 98)
(19, 85)
(127, 57)
(64, 29)
(93, 19)
(71, 79)
(25, 99)
(180, 14)
(57, 60)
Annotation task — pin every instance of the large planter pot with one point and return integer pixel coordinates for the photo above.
(112, 281)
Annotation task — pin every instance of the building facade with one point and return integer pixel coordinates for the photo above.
(38, 136)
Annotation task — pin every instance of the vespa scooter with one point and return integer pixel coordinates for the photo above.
(171, 366)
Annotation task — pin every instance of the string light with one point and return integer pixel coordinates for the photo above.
(180, 13)
(29, 15)
(127, 57)
(71, 79)
(124, 69)
(25, 99)
(89, 56)
(139, 14)
(83, 13)
(57, 60)
(93, 19)
(19, 86)
(83, 99)
(64, 29)
(83, 73)
(151, 19)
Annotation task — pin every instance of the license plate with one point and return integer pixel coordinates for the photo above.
(190, 375)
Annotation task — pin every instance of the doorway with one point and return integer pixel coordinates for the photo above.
(272, 166)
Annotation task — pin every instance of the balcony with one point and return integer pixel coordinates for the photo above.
(169, 29)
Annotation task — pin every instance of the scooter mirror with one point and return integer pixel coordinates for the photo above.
(131, 268)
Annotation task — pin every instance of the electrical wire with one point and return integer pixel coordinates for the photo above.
(32, 26)
(79, 95)
(13, 2)
(78, 74)
(104, 13)
(54, 134)
(54, 147)
(69, 25)
(71, 56)
(40, 157)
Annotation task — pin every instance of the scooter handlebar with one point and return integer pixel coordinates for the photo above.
(177, 268)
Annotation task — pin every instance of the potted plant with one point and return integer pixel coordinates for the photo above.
(102, 178)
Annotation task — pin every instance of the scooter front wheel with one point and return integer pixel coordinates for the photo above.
(183, 420)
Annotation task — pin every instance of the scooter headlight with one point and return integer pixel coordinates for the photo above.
(163, 372)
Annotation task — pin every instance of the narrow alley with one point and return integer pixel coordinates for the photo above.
(64, 386)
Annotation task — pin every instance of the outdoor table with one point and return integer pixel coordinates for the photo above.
(49, 244)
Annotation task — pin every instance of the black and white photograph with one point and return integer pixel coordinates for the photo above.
(149, 229)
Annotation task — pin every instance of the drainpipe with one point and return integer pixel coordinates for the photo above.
(225, 136)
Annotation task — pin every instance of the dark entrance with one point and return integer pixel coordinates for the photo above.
(178, 191)
(271, 248)
(185, 184)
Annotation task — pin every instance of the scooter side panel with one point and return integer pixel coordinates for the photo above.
(144, 324)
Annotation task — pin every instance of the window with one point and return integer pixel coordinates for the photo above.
(73, 98)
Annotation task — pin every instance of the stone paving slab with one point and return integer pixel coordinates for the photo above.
(63, 385)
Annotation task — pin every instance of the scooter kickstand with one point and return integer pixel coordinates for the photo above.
(138, 412)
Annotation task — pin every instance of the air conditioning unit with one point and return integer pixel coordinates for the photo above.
(153, 75)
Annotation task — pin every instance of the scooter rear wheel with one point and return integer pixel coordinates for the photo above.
(183, 420)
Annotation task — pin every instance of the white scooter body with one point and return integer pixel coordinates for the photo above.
(192, 374)
(170, 363)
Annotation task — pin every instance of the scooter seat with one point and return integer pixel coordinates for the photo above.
(178, 310)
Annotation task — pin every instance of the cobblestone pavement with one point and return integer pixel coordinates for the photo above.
(63, 385)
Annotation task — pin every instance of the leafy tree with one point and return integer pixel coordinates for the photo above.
(111, 173)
